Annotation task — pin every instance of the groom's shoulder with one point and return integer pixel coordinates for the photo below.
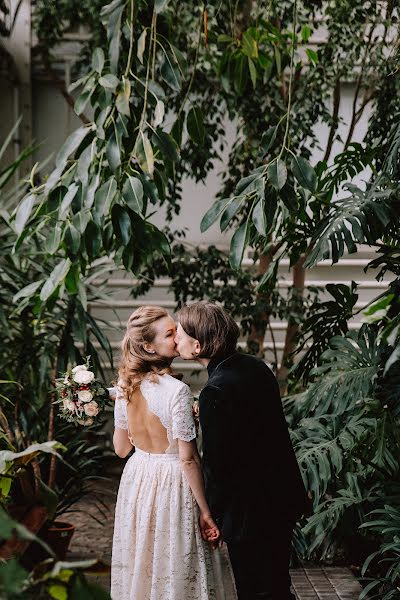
(249, 363)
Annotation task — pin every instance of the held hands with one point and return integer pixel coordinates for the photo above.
(209, 530)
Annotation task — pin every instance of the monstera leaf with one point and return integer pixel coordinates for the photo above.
(349, 369)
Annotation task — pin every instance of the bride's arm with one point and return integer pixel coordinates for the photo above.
(191, 466)
(122, 445)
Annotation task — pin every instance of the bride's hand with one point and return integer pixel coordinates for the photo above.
(209, 530)
(112, 392)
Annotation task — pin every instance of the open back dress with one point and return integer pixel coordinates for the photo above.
(158, 552)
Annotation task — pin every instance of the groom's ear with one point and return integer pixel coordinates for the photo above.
(197, 347)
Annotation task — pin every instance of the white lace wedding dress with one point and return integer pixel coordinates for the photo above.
(158, 552)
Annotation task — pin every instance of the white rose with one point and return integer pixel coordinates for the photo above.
(83, 376)
(79, 368)
(91, 409)
(85, 395)
(69, 405)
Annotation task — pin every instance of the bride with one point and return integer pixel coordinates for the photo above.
(162, 519)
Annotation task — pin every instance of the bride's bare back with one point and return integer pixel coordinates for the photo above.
(145, 429)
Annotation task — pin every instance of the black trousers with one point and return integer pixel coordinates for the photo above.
(261, 567)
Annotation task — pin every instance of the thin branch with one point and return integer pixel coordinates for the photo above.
(143, 115)
(335, 120)
(289, 107)
(129, 61)
(194, 69)
(360, 78)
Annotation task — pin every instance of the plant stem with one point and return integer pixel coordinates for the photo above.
(289, 107)
(129, 61)
(146, 88)
(194, 70)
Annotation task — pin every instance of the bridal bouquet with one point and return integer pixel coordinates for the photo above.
(80, 397)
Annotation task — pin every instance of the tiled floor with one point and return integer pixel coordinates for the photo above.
(330, 583)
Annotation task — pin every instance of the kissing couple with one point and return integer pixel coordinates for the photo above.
(175, 511)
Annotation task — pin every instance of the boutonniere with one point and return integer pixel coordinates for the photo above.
(195, 412)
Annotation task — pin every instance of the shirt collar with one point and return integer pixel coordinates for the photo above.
(216, 361)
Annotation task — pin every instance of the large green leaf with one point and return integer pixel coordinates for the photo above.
(104, 197)
(268, 138)
(109, 82)
(238, 245)
(98, 60)
(277, 173)
(23, 212)
(82, 101)
(249, 45)
(56, 277)
(132, 193)
(213, 214)
(123, 97)
(232, 208)
(121, 224)
(148, 163)
(347, 374)
(141, 45)
(93, 240)
(67, 200)
(251, 183)
(170, 71)
(7, 456)
(195, 125)
(361, 218)
(71, 144)
(27, 291)
(72, 239)
(114, 34)
(159, 5)
(241, 73)
(304, 173)
(166, 144)
(53, 239)
(113, 152)
(259, 218)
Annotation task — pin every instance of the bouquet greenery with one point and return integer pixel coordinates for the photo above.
(81, 398)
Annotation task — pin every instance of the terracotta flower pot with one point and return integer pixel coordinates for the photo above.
(58, 536)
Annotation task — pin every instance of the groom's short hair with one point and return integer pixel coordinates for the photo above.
(213, 327)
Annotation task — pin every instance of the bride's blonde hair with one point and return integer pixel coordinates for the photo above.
(136, 363)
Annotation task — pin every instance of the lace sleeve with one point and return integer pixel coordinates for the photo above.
(183, 426)
(120, 414)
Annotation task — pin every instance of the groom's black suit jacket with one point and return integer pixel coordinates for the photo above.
(252, 478)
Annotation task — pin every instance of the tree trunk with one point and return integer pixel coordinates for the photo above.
(292, 328)
(255, 340)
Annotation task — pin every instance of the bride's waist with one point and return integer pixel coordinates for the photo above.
(140, 454)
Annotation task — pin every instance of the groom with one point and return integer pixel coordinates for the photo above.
(253, 483)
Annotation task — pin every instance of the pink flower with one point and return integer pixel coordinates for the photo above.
(91, 408)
